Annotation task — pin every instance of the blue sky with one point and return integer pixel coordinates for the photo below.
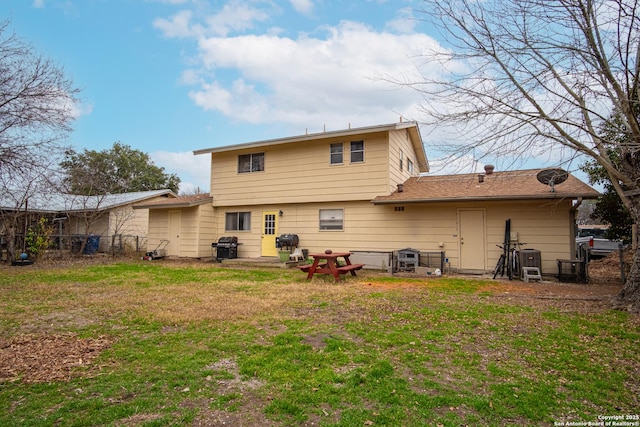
(171, 76)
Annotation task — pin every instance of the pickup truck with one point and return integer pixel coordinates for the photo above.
(594, 239)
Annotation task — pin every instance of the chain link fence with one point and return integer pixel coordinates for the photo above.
(71, 244)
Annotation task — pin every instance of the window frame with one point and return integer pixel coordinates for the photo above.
(255, 162)
(356, 152)
(239, 225)
(324, 223)
(332, 153)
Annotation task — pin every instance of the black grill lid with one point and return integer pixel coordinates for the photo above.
(230, 240)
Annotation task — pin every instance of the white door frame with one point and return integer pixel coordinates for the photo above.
(472, 238)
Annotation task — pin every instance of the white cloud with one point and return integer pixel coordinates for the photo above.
(190, 77)
(310, 80)
(462, 164)
(304, 7)
(194, 171)
(177, 26)
(235, 16)
(404, 23)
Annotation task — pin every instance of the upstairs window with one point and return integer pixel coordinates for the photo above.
(331, 219)
(357, 151)
(336, 154)
(251, 163)
(401, 158)
(410, 166)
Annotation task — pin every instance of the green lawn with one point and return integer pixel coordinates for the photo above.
(177, 344)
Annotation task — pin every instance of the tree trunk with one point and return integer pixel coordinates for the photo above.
(629, 296)
(11, 240)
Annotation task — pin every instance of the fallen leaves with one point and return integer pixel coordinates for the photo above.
(44, 358)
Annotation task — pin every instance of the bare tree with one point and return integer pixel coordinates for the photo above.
(37, 106)
(192, 191)
(16, 193)
(120, 219)
(85, 212)
(528, 77)
(24, 198)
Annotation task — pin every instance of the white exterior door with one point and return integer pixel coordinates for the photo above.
(472, 239)
(175, 222)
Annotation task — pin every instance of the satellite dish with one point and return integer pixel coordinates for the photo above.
(551, 177)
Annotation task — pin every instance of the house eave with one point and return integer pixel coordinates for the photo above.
(188, 204)
(316, 136)
(552, 196)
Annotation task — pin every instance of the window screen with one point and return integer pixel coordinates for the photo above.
(336, 154)
(251, 163)
(331, 219)
(357, 151)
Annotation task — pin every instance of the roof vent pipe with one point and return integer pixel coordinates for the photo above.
(489, 169)
(400, 188)
(480, 177)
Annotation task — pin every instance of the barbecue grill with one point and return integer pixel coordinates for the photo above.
(288, 241)
(226, 248)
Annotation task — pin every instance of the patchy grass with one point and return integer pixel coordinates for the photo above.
(158, 343)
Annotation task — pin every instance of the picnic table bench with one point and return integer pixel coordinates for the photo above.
(307, 267)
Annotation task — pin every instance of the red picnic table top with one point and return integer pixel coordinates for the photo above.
(330, 265)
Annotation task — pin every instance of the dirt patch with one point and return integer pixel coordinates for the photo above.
(36, 358)
(66, 260)
(249, 402)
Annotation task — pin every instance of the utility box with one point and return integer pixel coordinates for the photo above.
(529, 258)
(408, 259)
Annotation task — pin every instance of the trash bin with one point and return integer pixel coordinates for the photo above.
(76, 244)
(284, 255)
(91, 247)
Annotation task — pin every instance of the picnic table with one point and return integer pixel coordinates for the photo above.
(328, 263)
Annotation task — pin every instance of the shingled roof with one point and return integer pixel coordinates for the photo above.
(178, 202)
(46, 202)
(508, 185)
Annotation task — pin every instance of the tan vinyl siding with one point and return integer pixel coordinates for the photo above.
(158, 227)
(189, 232)
(129, 221)
(542, 225)
(302, 173)
(196, 230)
(77, 225)
(367, 227)
(399, 141)
(206, 230)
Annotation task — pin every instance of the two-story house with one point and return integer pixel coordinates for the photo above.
(365, 189)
